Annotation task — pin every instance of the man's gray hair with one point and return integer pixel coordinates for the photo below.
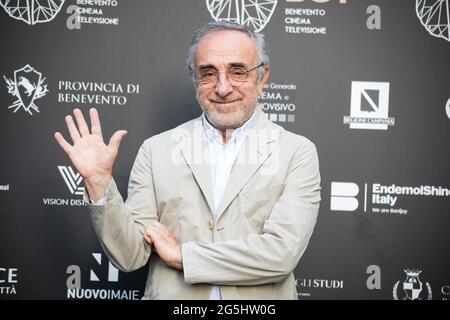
(213, 26)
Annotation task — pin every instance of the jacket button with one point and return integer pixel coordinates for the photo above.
(210, 224)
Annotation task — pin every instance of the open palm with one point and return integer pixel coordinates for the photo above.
(92, 158)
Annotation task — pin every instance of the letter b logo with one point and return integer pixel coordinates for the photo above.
(343, 196)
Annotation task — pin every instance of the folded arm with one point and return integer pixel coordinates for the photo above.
(257, 258)
(270, 256)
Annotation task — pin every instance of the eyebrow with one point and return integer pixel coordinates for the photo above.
(230, 65)
(237, 65)
(206, 67)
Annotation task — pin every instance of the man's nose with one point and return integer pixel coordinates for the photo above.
(223, 86)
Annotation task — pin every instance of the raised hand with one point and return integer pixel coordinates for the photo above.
(92, 158)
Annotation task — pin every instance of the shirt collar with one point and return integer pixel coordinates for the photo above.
(214, 135)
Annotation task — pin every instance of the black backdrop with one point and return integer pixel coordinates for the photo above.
(335, 65)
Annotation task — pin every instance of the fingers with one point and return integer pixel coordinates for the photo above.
(158, 232)
(96, 127)
(62, 142)
(154, 233)
(162, 230)
(83, 130)
(116, 138)
(73, 131)
(148, 237)
(82, 126)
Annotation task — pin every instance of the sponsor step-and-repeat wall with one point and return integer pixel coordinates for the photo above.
(367, 81)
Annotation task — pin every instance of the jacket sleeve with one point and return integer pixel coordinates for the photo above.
(272, 255)
(120, 226)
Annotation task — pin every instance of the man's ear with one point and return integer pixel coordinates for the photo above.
(263, 80)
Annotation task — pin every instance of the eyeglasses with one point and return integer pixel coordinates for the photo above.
(209, 77)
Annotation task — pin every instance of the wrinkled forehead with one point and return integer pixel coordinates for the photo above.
(225, 47)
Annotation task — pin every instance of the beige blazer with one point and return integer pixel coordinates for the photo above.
(266, 217)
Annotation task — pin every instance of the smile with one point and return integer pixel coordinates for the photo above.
(224, 102)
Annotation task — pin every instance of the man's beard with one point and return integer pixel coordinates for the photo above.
(217, 119)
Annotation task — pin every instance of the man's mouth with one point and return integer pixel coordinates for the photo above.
(224, 102)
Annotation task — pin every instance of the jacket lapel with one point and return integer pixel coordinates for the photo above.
(257, 147)
(194, 149)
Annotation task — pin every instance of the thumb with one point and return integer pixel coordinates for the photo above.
(116, 138)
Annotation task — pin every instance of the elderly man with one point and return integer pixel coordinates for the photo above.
(223, 205)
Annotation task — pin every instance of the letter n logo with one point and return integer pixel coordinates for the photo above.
(113, 272)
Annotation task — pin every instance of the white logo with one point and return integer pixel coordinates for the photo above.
(253, 13)
(369, 106)
(113, 272)
(379, 198)
(447, 108)
(73, 182)
(91, 12)
(343, 196)
(412, 287)
(278, 101)
(304, 285)
(96, 93)
(72, 179)
(28, 85)
(32, 11)
(8, 281)
(445, 290)
(434, 16)
(111, 292)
